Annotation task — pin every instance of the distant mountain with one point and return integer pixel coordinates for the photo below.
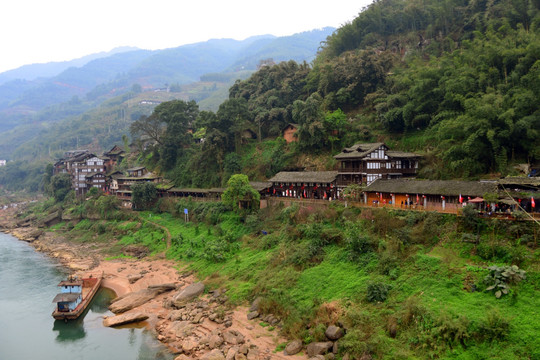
(35, 71)
(42, 101)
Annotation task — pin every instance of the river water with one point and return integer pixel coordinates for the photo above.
(28, 282)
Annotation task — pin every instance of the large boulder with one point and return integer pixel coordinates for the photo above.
(294, 347)
(137, 298)
(255, 304)
(252, 315)
(182, 357)
(318, 348)
(187, 293)
(182, 329)
(189, 344)
(215, 341)
(215, 354)
(334, 332)
(233, 337)
(124, 319)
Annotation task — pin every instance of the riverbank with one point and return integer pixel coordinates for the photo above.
(204, 328)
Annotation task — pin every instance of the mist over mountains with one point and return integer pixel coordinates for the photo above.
(38, 94)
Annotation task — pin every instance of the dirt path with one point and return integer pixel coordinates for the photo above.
(164, 228)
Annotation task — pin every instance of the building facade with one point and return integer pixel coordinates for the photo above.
(364, 163)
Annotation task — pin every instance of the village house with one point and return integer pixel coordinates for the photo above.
(365, 163)
(97, 180)
(439, 195)
(523, 192)
(113, 181)
(64, 165)
(136, 175)
(289, 133)
(113, 157)
(3, 162)
(79, 170)
(305, 184)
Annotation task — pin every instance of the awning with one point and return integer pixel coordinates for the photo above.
(476, 200)
(508, 201)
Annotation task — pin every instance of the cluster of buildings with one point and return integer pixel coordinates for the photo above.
(384, 177)
(388, 178)
(88, 170)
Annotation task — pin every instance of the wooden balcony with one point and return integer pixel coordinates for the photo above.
(354, 171)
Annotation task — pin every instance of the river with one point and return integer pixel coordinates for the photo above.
(28, 282)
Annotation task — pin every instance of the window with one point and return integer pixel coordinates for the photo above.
(398, 164)
(372, 177)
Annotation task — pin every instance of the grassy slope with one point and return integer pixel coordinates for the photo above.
(428, 276)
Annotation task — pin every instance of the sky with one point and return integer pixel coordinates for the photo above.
(38, 31)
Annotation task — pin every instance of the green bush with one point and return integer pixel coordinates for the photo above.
(377, 292)
(500, 278)
(494, 328)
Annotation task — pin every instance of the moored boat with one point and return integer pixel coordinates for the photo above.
(75, 296)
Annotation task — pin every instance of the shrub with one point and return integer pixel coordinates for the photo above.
(494, 327)
(357, 242)
(377, 292)
(500, 277)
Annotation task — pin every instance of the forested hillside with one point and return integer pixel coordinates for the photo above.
(41, 118)
(457, 81)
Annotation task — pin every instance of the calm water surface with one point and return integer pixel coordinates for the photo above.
(27, 330)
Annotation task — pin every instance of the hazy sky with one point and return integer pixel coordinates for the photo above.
(37, 31)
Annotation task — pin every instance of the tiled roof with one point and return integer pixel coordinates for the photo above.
(433, 187)
(305, 176)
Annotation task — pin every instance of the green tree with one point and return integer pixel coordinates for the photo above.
(240, 195)
(60, 186)
(310, 117)
(143, 195)
(179, 117)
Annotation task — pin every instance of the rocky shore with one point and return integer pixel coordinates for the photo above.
(191, 321)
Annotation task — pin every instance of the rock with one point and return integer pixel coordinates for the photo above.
(34, 234)
(252, 315)
(240, 356)
(255, 304)
(215, 341)
(233, 337)
(243, 349)
(181, 329)
(333, 332)
(133, 278)
(366, 356)
(135, 299)
(231, 353)
(294, 347)
(124, 319)
(163, 287)
(329, 356)
(197, 318)
(188, 345)
(188, 293)
(138, 251)
(182, 357)
(335, 347)
(253, 354)
(318, 348)
(317, 357)
(215, 354)
(176, 315)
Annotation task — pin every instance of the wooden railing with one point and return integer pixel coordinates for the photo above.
(352, 171)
